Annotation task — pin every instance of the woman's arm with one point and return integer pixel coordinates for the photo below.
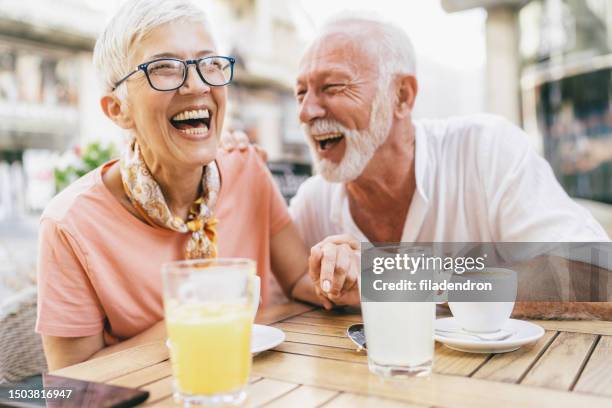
(64, 351)
(289, 259)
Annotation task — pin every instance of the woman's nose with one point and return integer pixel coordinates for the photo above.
(193, 82)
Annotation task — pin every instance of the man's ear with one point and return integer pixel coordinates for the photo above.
(406, 92)
(117, 110)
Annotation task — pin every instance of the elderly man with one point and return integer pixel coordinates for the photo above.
(384, 177)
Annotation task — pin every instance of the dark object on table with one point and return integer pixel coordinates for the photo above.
(356, 333)
(59, 392)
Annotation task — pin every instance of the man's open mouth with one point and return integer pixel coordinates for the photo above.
(192, 122)
(327, 141)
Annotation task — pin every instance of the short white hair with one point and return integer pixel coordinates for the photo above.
(134, 20)
(391, 44)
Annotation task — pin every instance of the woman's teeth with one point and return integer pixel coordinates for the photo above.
(195, 130)
(192, 114)
(192, 122)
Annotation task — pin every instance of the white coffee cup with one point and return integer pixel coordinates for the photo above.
(485, 317)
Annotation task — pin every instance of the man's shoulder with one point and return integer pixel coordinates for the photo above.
(482, 124)
(475, 133)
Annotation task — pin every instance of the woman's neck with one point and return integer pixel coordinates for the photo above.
(180, 185)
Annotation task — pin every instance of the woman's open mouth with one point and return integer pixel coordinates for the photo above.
(192, 122)
(328, 141)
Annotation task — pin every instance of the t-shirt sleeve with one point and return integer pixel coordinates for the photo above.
(67, 303)
(307, 212)
(526, 202)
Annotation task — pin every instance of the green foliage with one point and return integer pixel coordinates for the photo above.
(75, 163)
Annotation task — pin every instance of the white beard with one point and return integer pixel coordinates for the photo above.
(360, 144)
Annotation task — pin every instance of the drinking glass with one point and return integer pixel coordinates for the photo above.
(209, 309)
(399, 337)
(400, 334)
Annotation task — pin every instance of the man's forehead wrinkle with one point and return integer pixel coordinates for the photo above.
(340, 50)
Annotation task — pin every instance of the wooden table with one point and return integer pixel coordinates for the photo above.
(571, 366)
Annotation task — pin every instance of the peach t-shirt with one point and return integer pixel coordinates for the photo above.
(99, 266)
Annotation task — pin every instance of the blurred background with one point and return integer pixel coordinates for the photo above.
(543, 64)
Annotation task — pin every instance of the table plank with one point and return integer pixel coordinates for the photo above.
(319, 321)
(597, 376)
(144, 376)
(267, 390)
(512, 367)
(350, 316)
(577, 326)
(106, 368)
(314, 350)
(310, 329)
(438, 390)
(348, 400)
(332, 341)
(452, 362)
(562, 361)
(280, 312)
(303, 396)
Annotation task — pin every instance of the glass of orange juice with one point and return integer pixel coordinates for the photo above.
(209, 314)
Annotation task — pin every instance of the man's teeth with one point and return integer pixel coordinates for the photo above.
(192, 114)
(327, 136)
(195, 130)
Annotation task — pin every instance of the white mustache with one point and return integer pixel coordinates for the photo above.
(321, 126)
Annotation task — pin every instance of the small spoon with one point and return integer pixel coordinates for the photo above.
(495, 336)
(357, 335)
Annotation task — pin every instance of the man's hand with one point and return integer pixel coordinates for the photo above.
(333, 267)
(239, 140)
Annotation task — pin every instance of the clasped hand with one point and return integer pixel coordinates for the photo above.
(333, 267)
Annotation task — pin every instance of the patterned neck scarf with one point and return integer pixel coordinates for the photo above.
(146, 196)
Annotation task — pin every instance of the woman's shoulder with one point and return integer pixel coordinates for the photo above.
(77, 200)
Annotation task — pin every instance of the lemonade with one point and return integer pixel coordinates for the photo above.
(210, 346)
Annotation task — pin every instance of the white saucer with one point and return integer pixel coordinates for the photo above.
(265, 337)
(524, 333)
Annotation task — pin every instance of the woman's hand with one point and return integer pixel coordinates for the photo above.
(334, 267)
(239, 140)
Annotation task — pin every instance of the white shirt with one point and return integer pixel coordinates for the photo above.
(478, 180)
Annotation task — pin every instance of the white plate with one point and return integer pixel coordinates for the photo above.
(524, 333)
(265, 337)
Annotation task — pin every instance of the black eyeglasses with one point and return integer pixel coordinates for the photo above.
(168, 74)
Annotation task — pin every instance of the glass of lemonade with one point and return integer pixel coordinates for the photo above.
(209, 311)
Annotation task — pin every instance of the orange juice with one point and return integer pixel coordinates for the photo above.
(210, 346)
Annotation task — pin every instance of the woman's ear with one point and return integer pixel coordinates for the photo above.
(406, 91)
(117, 110)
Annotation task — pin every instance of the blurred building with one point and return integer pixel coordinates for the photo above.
(49, 95)
(549, 68)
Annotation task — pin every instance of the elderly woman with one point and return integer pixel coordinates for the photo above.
(170, 196)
